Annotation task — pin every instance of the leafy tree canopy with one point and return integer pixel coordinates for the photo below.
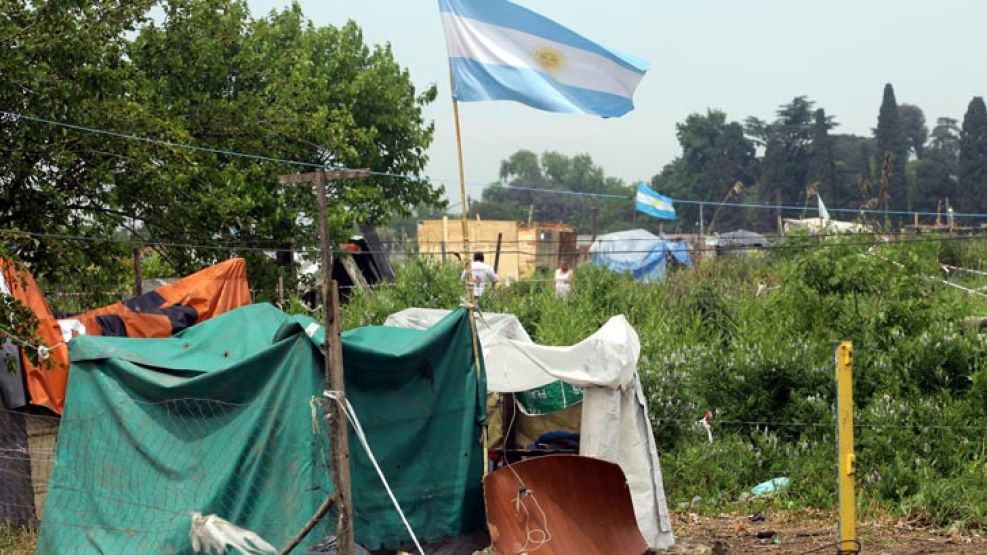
(207, 74)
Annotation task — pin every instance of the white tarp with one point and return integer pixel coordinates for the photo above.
(605, 365)
(819, 225)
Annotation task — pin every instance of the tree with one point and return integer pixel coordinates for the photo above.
(936, 174)
(715, 157)
(211, 75)
(63, 62)
(913, 127)
(787, 151)
(973, 158)
(822, 166)
(891, 140)
(945, 139)
(556, 172)
(280, 86)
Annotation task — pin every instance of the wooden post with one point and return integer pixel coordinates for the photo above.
(781, 227)
(531, 213)
(500, 238)
(702, 224)
(138, 273)
(593, 220)
(846, 461)
(333, 356)
(334, 379)
(443, 245)
(470, 299)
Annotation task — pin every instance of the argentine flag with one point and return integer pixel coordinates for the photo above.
(501, 51)
(653, 204)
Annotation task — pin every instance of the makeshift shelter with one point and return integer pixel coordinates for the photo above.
(614, 423)
(740, 241)
(159, 313)
(225, 418)
(638, 252)
(524, 248)
(814, 226)
(40, 383)
(823, 223)
(170, 308)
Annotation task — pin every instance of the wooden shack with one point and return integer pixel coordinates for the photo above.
(524, 248)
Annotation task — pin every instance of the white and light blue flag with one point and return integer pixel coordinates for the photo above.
(501, 51)
(653, 203)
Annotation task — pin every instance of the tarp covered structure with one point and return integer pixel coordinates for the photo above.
(170, 308)
(224, 418)
(614, 424)
(41, 383)
(159, 313)
(638, 252)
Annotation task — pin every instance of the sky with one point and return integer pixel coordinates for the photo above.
(744, 57)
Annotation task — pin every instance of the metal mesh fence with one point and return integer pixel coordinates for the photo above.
(121, 486)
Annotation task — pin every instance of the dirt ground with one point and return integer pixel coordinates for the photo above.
(797, 534)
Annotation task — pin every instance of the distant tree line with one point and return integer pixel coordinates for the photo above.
(787, 160)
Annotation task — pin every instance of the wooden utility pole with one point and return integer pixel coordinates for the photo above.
(332, 349)
(593, 220)
(138, 277)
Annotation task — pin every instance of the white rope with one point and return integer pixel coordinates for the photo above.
(946, 282)
(347, 408)
(948, 267)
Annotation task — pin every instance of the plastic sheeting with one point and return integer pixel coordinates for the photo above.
(605, 365)
(224, 418)
(638, 252)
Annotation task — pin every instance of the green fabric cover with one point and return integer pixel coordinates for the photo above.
(220, 419)
(549, 398)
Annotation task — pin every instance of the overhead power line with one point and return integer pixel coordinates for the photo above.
(264, 158)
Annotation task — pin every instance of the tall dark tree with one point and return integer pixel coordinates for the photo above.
(715, 157)
(945, 139)
(973, 158)
(555, 172)
(936, 173)
(787, 151)
(822, 166)
(913, 126)
(891, 140)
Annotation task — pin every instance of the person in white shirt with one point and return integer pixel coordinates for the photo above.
(563, 279)
(480, 275)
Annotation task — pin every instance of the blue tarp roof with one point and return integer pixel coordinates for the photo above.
(638, 252)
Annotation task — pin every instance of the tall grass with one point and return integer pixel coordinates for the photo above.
(752, 338)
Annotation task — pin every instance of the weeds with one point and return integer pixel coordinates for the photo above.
(751, 339)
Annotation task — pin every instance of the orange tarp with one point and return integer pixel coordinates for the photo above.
(159, 313)
(45, 381)
(175, 306)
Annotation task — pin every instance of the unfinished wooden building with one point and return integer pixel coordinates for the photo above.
(524, 248)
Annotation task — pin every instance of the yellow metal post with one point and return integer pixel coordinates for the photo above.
(846, 458)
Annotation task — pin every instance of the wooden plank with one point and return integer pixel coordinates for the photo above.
(297, 178)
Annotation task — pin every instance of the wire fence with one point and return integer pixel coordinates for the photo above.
(131, 475)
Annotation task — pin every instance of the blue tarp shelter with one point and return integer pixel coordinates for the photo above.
(639, 252)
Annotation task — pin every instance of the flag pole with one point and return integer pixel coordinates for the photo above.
(470, 299)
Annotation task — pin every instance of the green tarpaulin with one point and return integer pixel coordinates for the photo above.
(549, 398)
(226, 418)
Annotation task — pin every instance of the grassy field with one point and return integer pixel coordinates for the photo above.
(751, 338)
(17, 541)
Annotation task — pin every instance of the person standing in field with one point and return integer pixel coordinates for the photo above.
(563, 279)
(480, 275)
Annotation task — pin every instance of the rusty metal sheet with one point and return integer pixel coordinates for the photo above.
(561, 504)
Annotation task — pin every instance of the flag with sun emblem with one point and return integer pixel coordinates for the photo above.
(501, 51)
